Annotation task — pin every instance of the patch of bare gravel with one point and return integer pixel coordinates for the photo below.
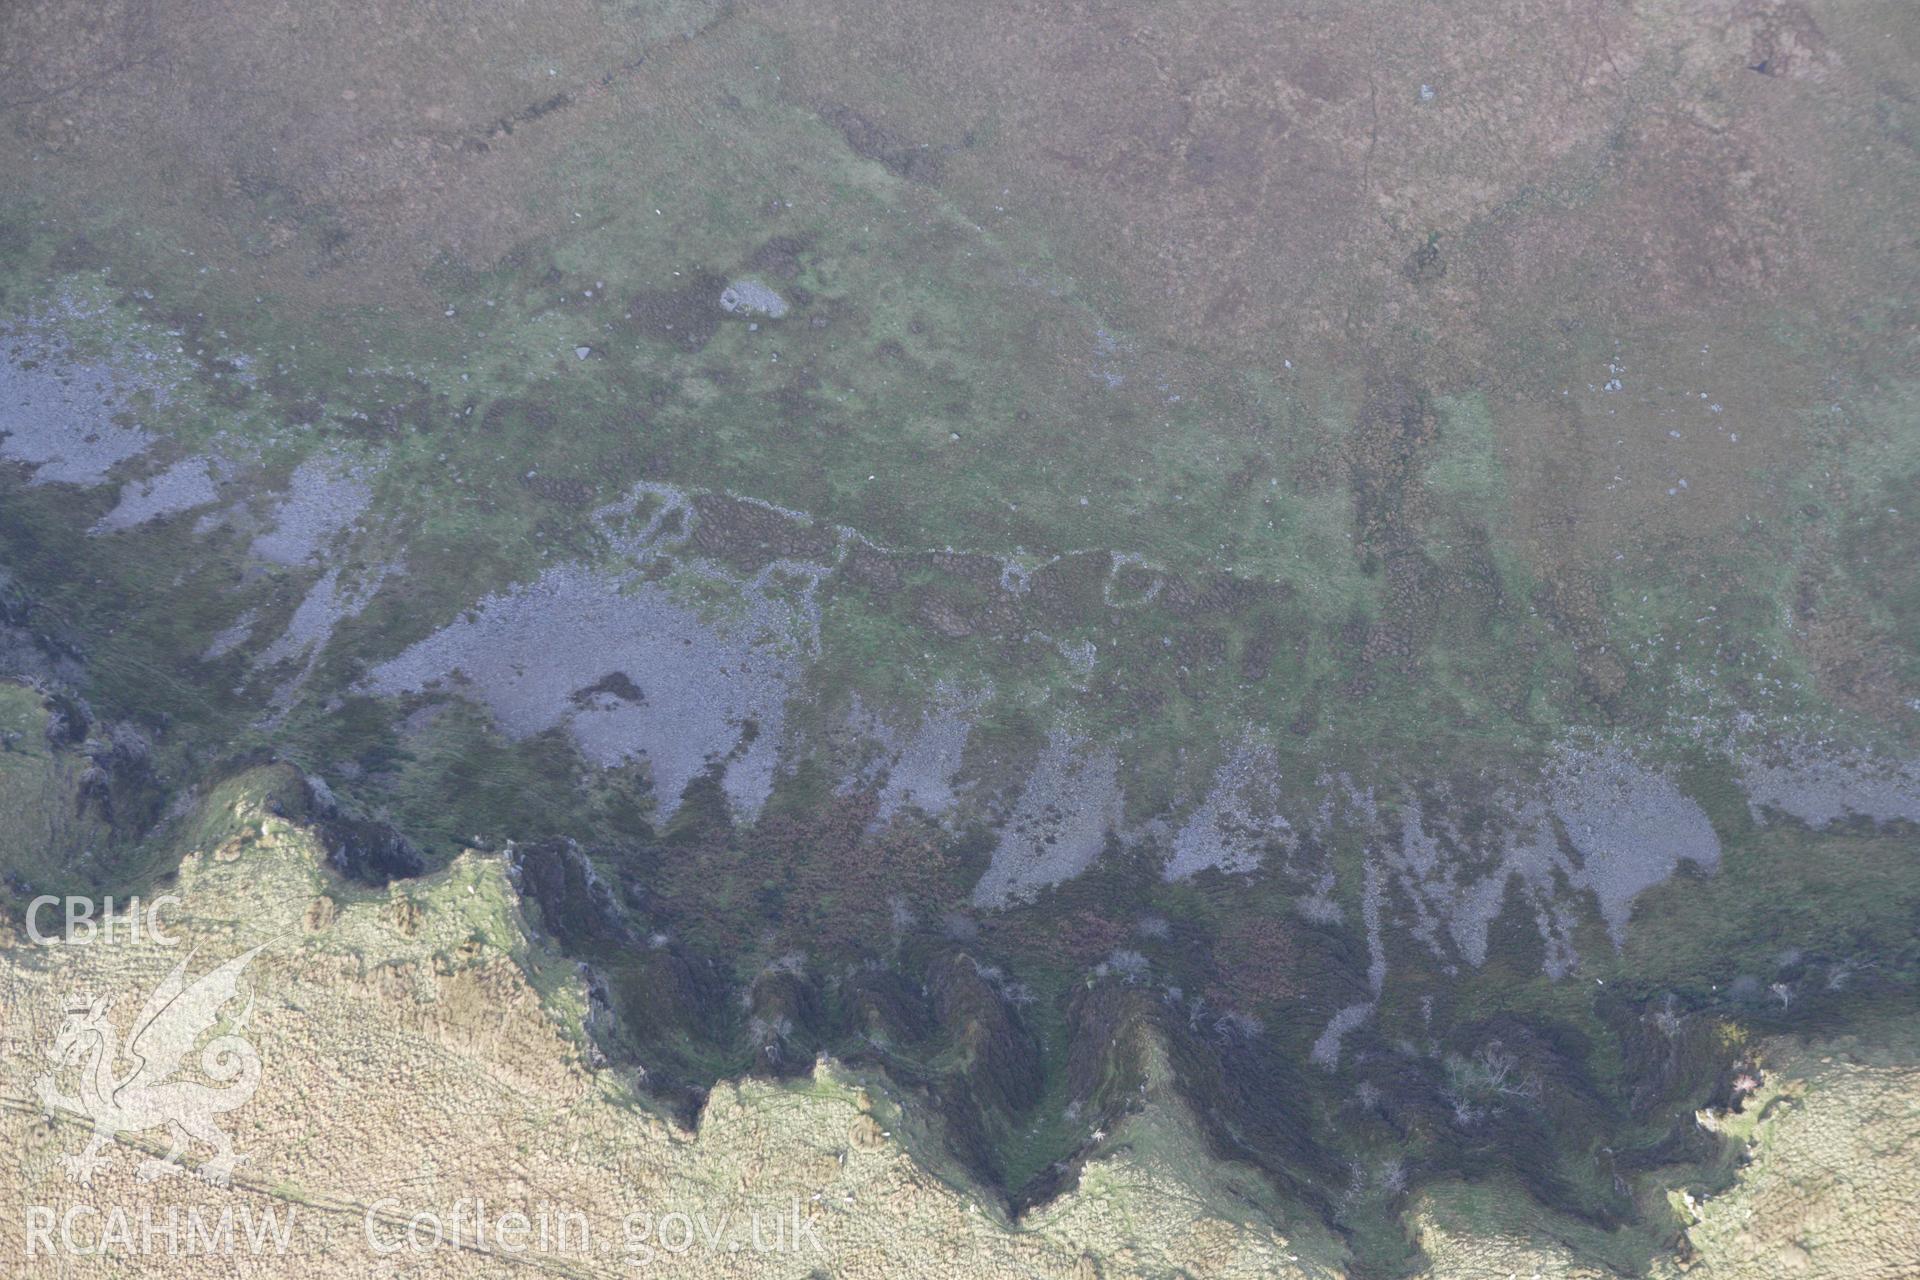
(231, 637)
(324, 497)
(749, 297)
(1821, 783)
(187, 484)
(1239, 819)
(1457, 884)
(1630, 824)
(1060, 823)
(69, 420)
(327, 603)
(626, 669)
(1600, 822)
(1326, 1047)
(922, 770)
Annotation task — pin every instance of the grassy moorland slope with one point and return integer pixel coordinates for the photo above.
(1368, 550)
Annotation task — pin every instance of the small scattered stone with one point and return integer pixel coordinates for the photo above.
(750, 297)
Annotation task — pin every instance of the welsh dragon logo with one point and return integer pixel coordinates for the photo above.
(133, 1090)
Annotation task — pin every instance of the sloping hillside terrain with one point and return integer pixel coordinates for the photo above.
(1343, 577)
(427, 1071)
